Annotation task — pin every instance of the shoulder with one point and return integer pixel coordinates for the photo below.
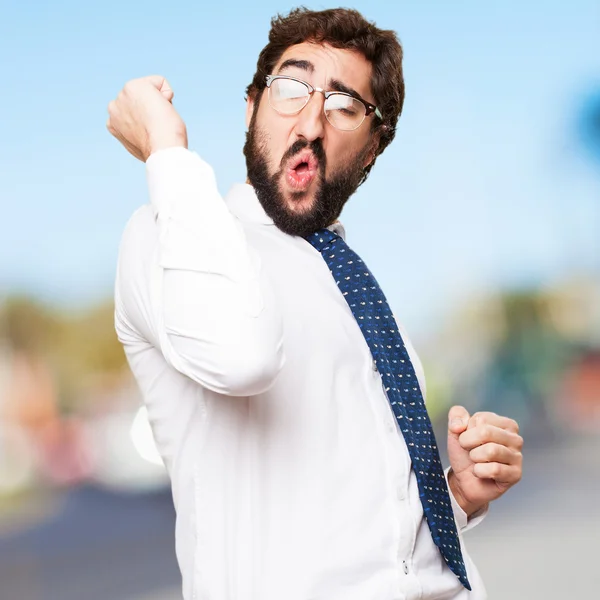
(142, 220)
(139, 236)
(134, 274)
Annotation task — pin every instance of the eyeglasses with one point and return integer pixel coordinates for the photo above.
(288, 96)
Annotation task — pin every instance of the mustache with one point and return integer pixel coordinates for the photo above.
(316, 147)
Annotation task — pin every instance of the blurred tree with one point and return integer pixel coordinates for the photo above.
(27, 325)
(77, 347)
(528, 362)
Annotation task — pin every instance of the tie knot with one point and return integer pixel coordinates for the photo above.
(321, 238)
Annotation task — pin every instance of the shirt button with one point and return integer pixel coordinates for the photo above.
(374, 365)
(400, 494)
(405, 567)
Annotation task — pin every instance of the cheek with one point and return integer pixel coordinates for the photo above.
(343, 152)
(275, 133)
(274, 125)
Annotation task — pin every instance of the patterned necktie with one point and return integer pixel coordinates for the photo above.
(376, 321)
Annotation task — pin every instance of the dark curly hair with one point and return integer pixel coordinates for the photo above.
(346, 29)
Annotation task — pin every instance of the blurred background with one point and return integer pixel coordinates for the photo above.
(491, 189)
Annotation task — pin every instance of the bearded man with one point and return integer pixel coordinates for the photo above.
(286, 401)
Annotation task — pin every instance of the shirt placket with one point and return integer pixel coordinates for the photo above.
(399, 472)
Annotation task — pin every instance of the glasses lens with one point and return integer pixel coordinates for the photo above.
(288, 96)
(344, 112)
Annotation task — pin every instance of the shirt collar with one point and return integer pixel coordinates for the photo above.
(244, 204)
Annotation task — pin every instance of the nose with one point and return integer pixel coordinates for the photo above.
(311, 119)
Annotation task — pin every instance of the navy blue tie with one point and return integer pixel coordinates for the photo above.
(376, 321)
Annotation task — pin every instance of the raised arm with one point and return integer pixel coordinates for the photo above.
(187, 282)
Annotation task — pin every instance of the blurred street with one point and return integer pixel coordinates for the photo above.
(97, 546)
(539, 542)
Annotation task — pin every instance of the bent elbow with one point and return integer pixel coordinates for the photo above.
(239, 368)
(252, 374)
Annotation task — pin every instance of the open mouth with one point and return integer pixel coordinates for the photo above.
(302, 169)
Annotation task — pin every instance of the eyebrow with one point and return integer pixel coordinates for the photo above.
(305, 65)
(334, 84)
(338, 86)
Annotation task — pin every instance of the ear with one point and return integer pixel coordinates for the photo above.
(372, 149)
(249, 109)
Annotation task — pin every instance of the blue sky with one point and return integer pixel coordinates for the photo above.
(484, 187)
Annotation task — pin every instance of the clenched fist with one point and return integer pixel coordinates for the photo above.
(143, 118)
(485, 456)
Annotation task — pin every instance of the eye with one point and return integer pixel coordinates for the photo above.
(288, 89)
(344, 104)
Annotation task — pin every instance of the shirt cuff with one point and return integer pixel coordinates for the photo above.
(463, 522)
(172, 174)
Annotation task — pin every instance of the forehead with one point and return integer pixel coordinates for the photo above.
(348, 66)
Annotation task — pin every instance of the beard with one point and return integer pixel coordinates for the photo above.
(330, 195)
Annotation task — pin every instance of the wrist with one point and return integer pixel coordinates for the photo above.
(469, 508)
(167, 140)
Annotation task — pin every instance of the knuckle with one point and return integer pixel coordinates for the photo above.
(485, 431)
(494, 469)
(463, 440)
(479, 418)
(514, 476)
(485, 415)
(490, 452)
(129, 88)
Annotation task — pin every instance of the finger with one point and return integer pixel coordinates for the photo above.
(506, 474)
(458, 419)
(162, 85)
(493, 452)
(479, 418)
(168, 94)
(483, 434)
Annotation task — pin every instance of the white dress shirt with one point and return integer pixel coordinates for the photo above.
(290, 477)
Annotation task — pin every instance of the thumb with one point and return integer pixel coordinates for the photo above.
(167, 92)
(162, 85)
(458, 419)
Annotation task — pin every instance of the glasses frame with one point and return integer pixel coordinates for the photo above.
(369, 108)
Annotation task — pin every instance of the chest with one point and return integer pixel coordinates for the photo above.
(314, 311)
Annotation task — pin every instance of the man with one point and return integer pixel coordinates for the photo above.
(283, 399)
